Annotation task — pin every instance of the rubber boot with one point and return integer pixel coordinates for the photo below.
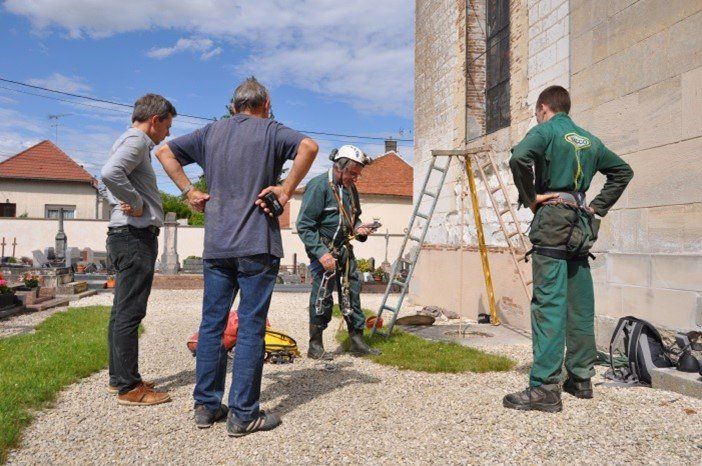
(546, 398)
(316, 349)
(358, 346)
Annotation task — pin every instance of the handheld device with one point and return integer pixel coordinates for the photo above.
(372, 226)
(272, 203)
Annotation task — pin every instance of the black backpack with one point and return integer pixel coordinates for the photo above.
(643, 348)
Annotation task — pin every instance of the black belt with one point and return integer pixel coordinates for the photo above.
(154, 230)
(557, 253)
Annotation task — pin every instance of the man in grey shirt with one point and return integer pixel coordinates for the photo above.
(242, 157)
(132, 243)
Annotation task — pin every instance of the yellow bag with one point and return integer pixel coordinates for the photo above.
(280, 348)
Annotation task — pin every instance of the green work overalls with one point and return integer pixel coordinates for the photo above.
(322, 228)
(558, 156)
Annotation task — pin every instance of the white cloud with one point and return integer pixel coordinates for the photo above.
(7, 100)
(186, 45)
(360, 52)
(211, 53)
(60, 82)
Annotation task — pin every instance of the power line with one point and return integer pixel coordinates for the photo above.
(112, 109)
(121, 104)
(128, 112)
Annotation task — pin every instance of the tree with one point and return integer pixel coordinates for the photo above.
(174, 203)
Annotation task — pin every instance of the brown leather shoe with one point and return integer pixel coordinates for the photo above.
(112, 390)
(143, 396)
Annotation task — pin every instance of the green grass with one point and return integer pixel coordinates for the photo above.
(409, 352)
(336, 312)
(34, 367)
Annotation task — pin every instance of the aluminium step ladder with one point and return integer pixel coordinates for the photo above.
(484, 162)
(416, 243)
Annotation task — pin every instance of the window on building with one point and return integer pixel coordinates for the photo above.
(497, 66)
(52, 211)
(7, 209)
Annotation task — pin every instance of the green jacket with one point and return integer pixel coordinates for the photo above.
(565, 157)
(319, 215)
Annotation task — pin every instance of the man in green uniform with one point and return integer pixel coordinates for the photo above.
(553, 167)
(328, 221)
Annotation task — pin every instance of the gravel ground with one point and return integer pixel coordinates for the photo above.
(361, 413)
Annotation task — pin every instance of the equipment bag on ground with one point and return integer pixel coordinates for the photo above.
(643, 348)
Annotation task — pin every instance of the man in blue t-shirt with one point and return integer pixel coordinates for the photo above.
(242, 157)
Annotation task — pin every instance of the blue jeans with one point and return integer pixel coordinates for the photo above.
(224, 278)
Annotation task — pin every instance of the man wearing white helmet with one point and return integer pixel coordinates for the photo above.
(328, 221)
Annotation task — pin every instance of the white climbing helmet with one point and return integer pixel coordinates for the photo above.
(350, 152)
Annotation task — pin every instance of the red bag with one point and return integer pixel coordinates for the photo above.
(229, 337)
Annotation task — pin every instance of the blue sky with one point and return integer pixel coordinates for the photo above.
(338, 67)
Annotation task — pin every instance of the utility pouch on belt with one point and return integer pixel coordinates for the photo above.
(563, 229)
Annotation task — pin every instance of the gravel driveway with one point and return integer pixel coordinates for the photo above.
(362, 413)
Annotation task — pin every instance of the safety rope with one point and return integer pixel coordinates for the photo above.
(349, 219)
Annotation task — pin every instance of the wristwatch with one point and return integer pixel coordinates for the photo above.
(186, 190)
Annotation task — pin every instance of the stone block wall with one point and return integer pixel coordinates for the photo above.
(634, 69)
(637, 84)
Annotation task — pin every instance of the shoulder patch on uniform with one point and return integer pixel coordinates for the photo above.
(578, 141)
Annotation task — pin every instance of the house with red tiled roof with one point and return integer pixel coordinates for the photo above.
(385, 191)
(41, 180)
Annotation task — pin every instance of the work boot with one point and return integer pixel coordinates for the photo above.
(316, 350)
(578, 388)
(359, 347)
(204, 418)
(545, 398)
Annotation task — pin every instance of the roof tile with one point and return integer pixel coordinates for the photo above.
(388, 175)
(44, 161)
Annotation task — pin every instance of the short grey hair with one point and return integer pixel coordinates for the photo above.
(149, 105)
(343, 164)
(250, 95)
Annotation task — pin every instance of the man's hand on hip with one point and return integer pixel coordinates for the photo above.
(328, 262)
(131, 211)
(540, 199)
(197, 200)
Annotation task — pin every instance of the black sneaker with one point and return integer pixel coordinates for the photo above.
(262, 422)
(545, 398)
(578, 388)
(204, 418)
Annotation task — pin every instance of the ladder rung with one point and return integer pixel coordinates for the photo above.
(529, 282)
(486, 165)
(421, 215)
(414, 238)
(513, 234)
(389, 308)
(397, 282)
(502, 212)
(495, 189)
(431, 194)
(442, 170)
